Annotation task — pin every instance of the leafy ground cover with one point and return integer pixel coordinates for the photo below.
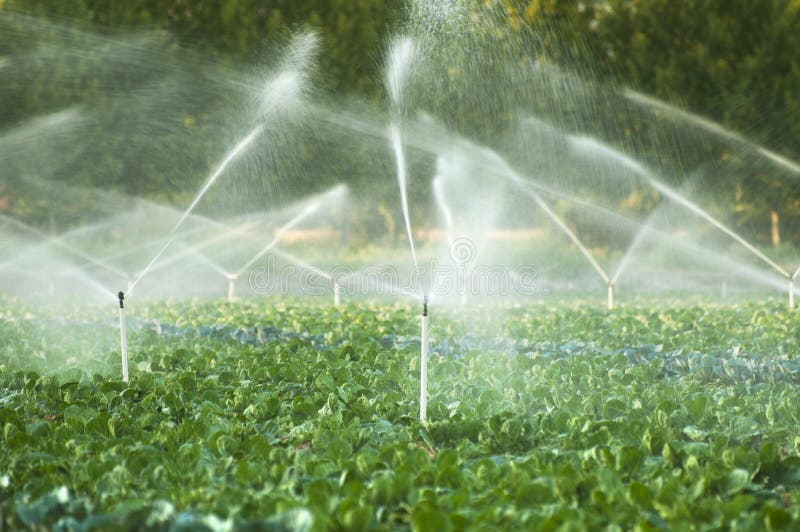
(291, 414)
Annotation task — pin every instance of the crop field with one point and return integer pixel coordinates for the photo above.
(295, 415)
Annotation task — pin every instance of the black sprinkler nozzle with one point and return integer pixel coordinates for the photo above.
(121, 297)
(425, 306)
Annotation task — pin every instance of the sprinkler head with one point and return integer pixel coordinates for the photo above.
(121, 297)
(425, 305)
(233, 276)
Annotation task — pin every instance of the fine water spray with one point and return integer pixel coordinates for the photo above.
(592, 146)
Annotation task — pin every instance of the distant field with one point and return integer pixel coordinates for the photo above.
(295, 415)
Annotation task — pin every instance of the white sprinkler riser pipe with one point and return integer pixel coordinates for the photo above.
(791, 293)
(423, 370)
(610, 296)
(462, 283)
(231, 288)
(123, 338)
(337, 298)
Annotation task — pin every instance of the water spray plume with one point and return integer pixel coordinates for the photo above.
(39, 129)
(337, 288)
(711, 127)
(641, 234)
(279, 234)
(402, 179)
(501, 168)
(524, 186)
(301, 263)
(232, 155)
(207, 261)
(438, 193)
(235, 152)
(401, 56)
(193, 249)
(590, 145)
(47, 240)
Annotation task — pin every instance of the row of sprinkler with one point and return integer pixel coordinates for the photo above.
(423, 374)
(423, 371)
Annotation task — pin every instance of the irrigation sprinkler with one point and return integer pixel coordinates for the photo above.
(232, 277)
(423, 362)
(123, 336)
(791, 287)
(610, 295)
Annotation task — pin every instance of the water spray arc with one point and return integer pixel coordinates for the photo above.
(48, 240)
(230, 157)
(441, 202)
(590, 145)
(279, 234)
(501, 168)
(337, 288)
(438, 194)
(401, 56)
(194, 250)
(402, 179)
(525, 187)
(710, 126)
